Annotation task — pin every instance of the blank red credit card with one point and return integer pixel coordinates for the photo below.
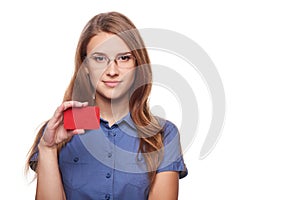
(82, 118)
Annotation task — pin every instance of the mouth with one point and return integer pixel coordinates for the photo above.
(111, 83)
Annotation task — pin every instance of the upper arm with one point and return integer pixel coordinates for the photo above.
(165, 186)
(172, 167)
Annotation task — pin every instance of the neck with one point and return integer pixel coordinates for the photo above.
(112, 110)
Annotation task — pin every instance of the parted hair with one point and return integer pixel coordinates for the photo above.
(149, 129)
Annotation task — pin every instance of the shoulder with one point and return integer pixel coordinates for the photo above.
(170, 130)
(173, 158)
(166, 124)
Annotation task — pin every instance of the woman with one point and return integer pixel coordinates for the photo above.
(133, 155)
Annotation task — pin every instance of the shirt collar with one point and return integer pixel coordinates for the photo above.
(128, 120)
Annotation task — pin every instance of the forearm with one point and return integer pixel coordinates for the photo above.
(49, 182)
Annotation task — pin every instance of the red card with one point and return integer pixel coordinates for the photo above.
(82, 118)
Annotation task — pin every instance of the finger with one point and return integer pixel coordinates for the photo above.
(80, 104)
(77, 104)
(78, 131)
(75, 132)
(57, 117)
(58, 121)
(65, 105)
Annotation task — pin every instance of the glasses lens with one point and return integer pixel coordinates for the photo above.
(125, 61)
(122, 61)
(99, 60)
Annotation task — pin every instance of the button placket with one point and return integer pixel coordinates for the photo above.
(114, 133)
(107, 196)
(108, 175)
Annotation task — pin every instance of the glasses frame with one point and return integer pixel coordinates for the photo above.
(110, 59)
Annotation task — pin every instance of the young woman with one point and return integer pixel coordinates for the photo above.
(133, 155)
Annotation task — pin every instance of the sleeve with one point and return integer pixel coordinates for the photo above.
(33, 160)
(173, 158)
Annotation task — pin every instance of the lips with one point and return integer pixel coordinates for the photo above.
(111, 83)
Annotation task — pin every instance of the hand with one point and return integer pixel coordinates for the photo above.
(55, 132)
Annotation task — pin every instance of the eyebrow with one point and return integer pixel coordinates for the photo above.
(101, 53)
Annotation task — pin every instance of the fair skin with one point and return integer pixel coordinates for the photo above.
(112, 85)
(49, 183)
(112, 82)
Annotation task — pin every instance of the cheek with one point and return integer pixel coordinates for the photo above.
(130, 77)
(95, 76)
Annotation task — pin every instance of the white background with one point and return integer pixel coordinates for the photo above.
(255, 46)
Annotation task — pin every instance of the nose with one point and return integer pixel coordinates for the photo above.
(112, 69)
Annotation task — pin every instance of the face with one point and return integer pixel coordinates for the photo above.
(111, 66)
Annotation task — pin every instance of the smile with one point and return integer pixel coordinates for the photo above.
(111, 83)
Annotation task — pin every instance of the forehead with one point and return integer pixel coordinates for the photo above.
(107, 43)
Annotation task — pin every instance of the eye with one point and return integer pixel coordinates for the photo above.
(124, 58)
(100, 58)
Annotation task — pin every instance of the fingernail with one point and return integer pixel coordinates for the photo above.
(80, 131)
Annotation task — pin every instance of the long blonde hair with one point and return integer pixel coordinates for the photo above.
(149, 129)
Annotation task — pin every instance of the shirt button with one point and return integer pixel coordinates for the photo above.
(107, 197)
(109, 155)
(108, 175)
(76, 159)
(114, 134)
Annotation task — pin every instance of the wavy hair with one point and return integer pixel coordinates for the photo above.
(149, 129)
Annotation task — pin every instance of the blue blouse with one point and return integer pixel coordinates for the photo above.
(104, 164)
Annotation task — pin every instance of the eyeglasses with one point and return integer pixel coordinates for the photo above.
(123, 60)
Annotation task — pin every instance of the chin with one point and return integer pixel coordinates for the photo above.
(113, 97)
